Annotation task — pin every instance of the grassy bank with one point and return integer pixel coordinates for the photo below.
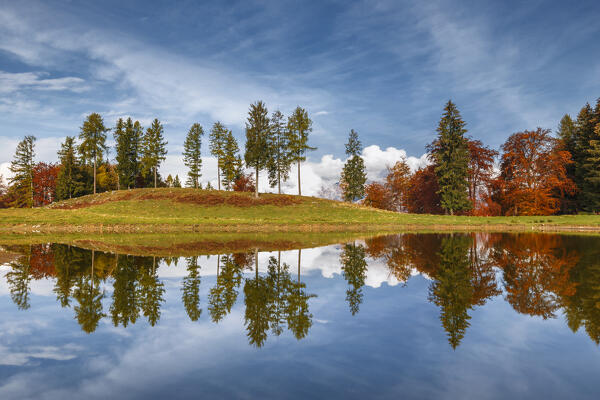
(189, 210)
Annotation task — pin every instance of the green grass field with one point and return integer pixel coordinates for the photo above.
(158, 210)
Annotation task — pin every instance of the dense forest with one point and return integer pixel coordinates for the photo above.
(535, 172)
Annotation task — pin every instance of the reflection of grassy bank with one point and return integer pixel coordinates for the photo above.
(189, 210)
(183, 245)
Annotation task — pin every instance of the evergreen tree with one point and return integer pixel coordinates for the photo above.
(298, 127)
(191, 154)
(177, 182)
(209, 187)
(169, 181)
(71, 178)
(127, 137)
(93, 138)
(231, 164)
(22, 168)
(567, 134)
(279, 163)
(154, 149)
(257, 139)
(353, 176)
(584, 132)
(450, 154)
(137, 136)
(218, 137)
(591, 167)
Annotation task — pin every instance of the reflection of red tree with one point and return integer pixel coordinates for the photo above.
(42, 261)
(243, 260)
(536, 272)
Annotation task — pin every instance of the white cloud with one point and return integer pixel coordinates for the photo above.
(13, 82)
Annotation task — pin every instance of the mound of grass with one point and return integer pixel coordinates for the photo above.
(176, 210)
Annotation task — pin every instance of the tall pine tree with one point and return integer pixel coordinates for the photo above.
(22, 168)
(450, 154)
(567, 135)
(279, 163)
(127, 138)
(192, 157)
(298, 128)
(93, 138)
(257, 139)
(591, 167)
(217, 137)
(71, 178)
(154, 149)
(231, 165)
(353, 176)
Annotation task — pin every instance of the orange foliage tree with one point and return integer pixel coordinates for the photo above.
(533, 174)
(379, 196)
(480, 176)
(422, 196)
(398, 182)
(44, 183)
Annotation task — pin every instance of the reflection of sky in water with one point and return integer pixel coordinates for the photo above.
(395, 347)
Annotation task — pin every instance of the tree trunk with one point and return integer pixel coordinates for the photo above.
(256, 263)
(154, 177)
(218, 266)
(218, 176)
(256, 184)
(299, 256)
(278, 181)
(94, 174)
(299, 189)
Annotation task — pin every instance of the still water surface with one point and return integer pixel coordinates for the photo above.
(481, 316)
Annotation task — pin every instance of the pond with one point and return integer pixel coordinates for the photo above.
(478, 315)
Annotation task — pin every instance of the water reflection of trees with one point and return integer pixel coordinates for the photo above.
(537, 274)
(273, 300)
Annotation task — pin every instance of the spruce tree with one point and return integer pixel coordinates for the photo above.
(298, 127)
(584, 133)
(127, 138)
(93, 138)
(279, 163)
(176, 182)
(154, 149)
(353, 176)
(169, 181)
(192, 157)
(231, 165)
(22, 168)
(567, 134)
(450, 154)
(71, 180)
(257, 139)
(217, 138)
(137, 136)
(591, 167)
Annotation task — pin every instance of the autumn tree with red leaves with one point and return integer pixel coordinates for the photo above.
(244, 183)
(422, 196)
(44, 183)
(480, 175)
(533, 174)
(378, 195)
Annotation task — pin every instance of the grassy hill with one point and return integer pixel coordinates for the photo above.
(171, 210)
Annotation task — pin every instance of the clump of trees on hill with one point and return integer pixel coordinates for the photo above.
(534, 173)
(272, 144)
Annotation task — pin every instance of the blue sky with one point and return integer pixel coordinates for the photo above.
(384, 68)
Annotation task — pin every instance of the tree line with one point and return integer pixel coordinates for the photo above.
(273, 144)
(534, 173)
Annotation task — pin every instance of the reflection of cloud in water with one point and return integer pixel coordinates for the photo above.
(23, 356)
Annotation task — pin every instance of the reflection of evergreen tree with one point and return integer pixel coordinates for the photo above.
(224, 295)
(354, 270)
(18, 279)
(452, 290)
(299, 318)
(89, 296)
(151, 291)
(65, 275)
(256, 297)
(191, 289)
(125, 306)
(278, 278)
(582, 308)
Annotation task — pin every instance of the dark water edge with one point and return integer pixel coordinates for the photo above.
(480, 315)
